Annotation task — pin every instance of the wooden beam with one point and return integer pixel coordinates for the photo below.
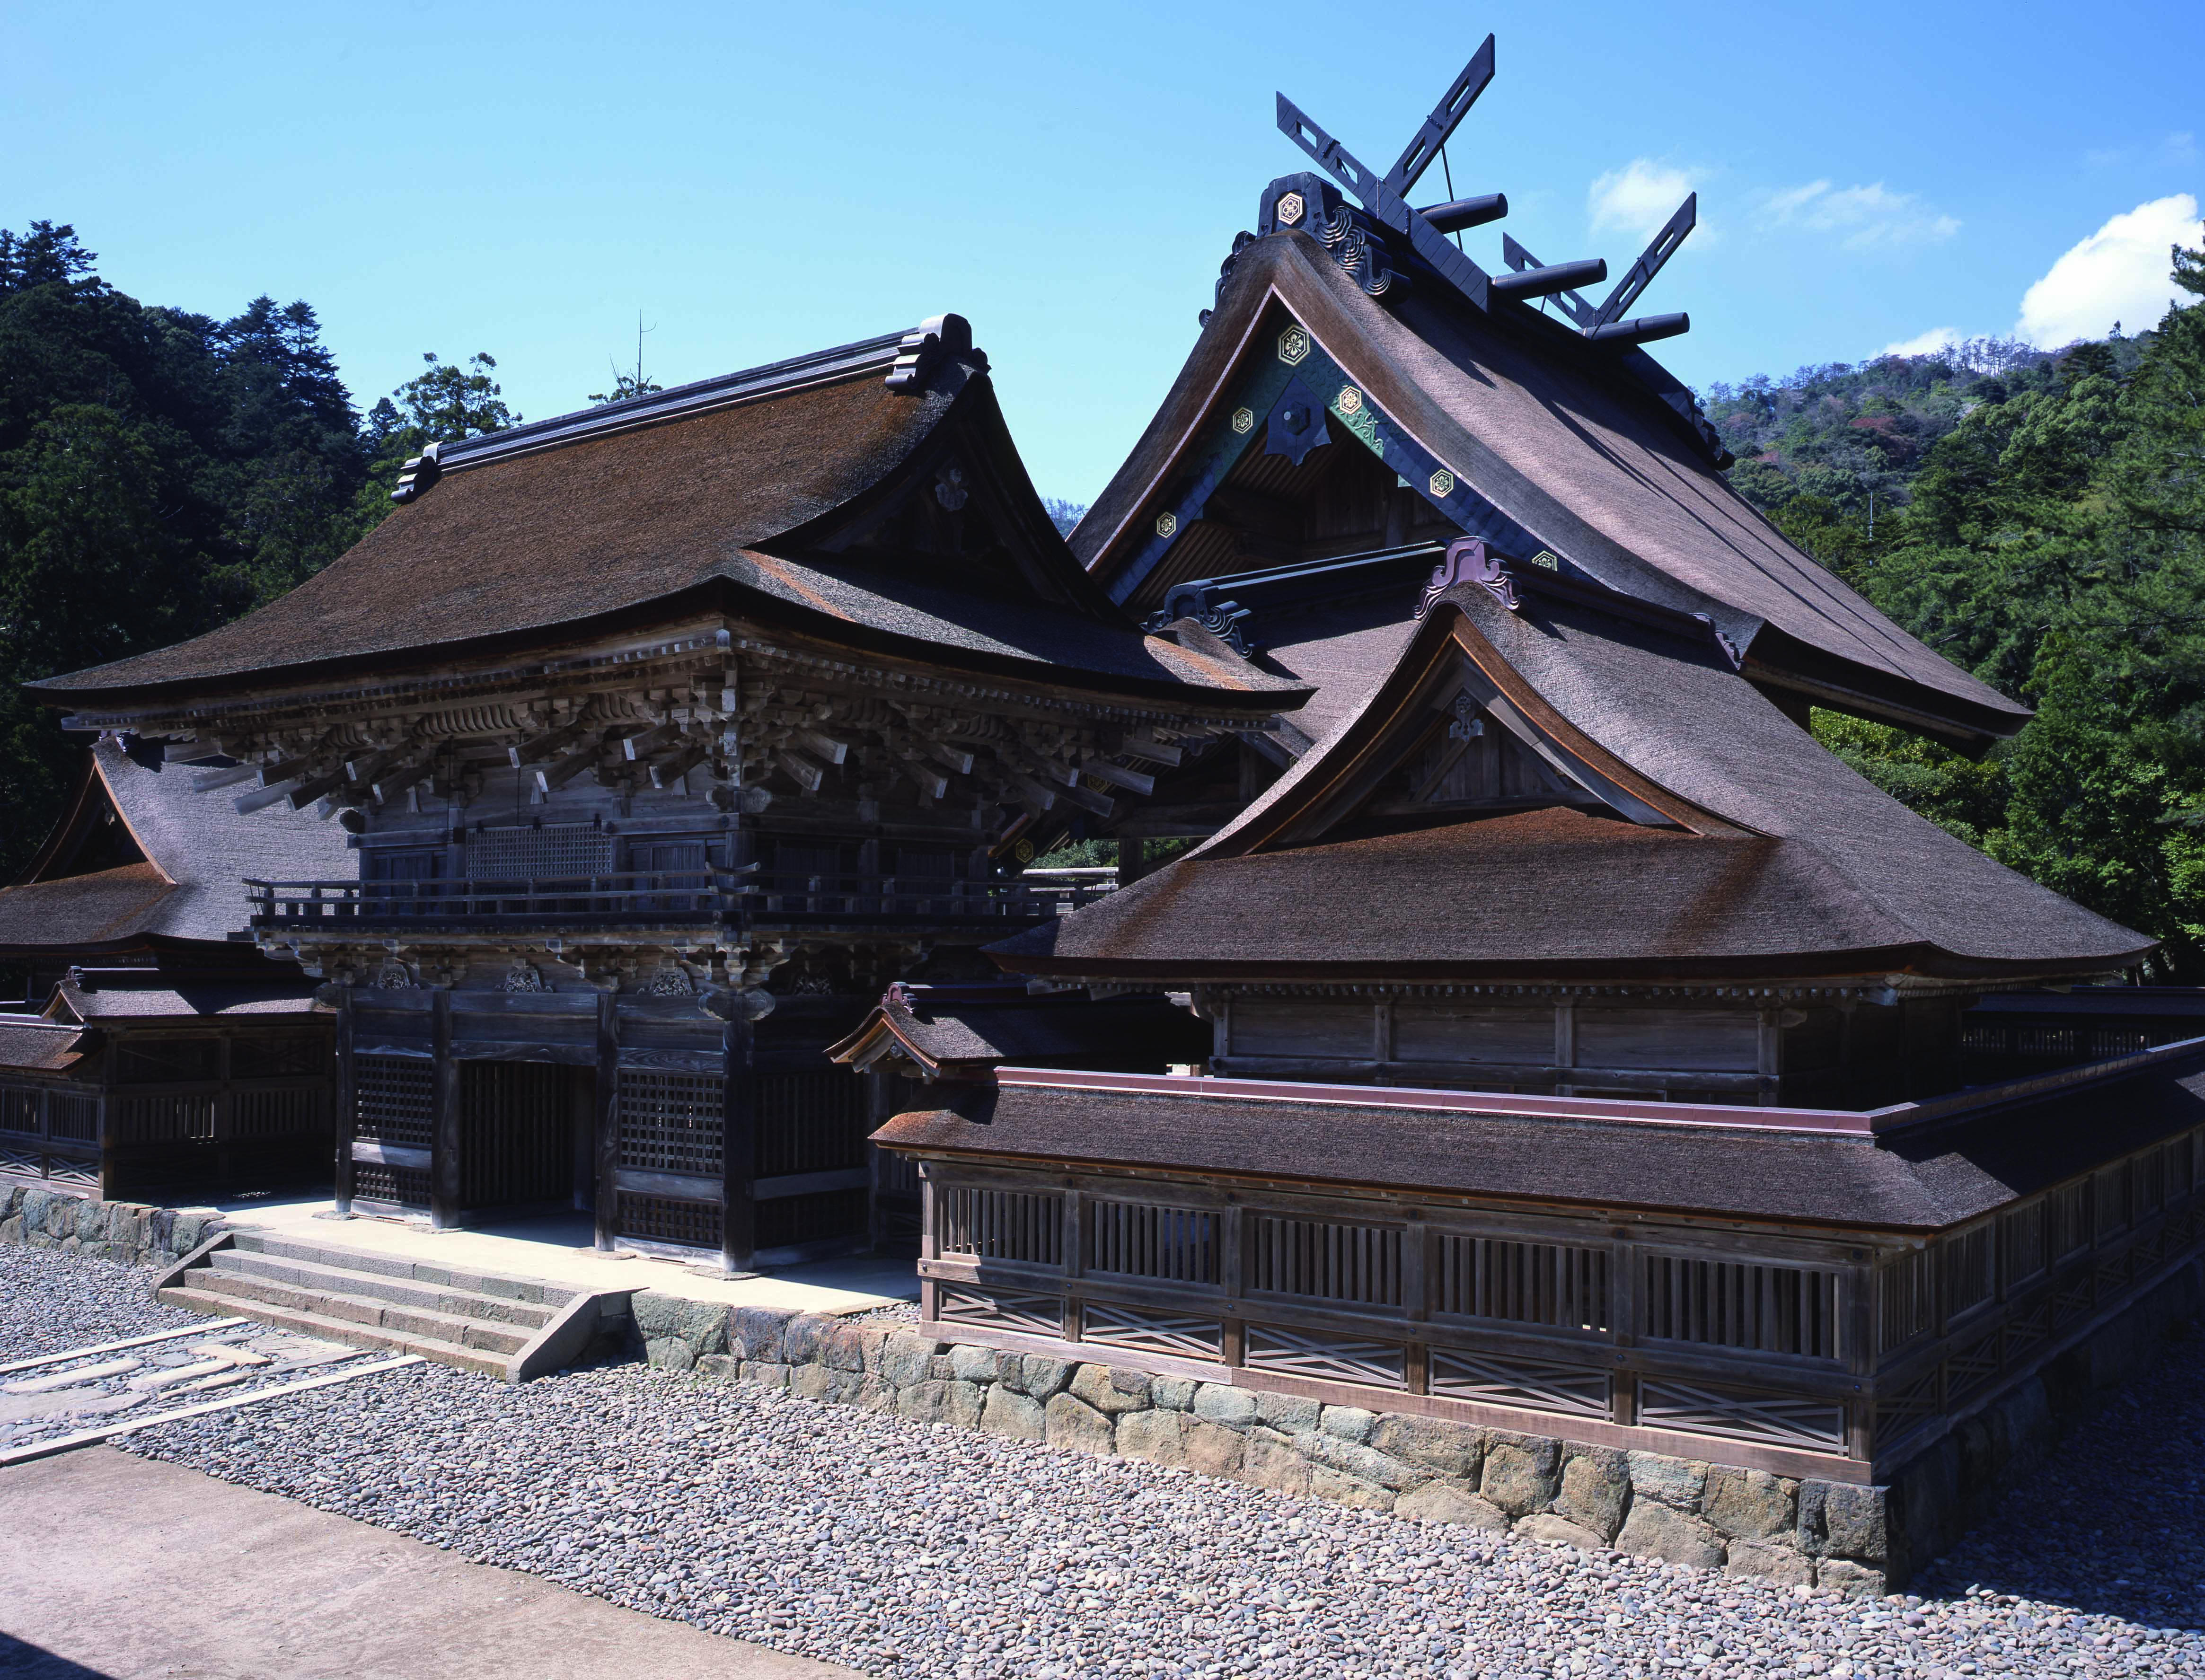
(1147, 746)
(606, 1122)
(206, 781)
(347, 1118)
(443, 1117)
(635, 748)
(397, 780)
(957, 758)
(247, 804)
(548, 745)
(561, 771)
(665, 772)
(823, 746)
(1118, 776)
(807, 774)
(739, 1147)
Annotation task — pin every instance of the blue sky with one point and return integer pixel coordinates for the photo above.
(761, 181)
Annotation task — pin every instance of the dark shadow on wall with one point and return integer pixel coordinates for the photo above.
(22, 1660)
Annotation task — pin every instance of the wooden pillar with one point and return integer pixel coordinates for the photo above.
(739, 1150)
(606, 1128)
(443, 1119)
(346, 1121)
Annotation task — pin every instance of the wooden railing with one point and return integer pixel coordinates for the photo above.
(1781, 1342)
(659, 898)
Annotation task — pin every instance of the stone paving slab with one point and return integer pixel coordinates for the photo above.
(133, 1569)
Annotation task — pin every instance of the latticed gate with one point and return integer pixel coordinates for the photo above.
(673, 1123)
(393, 1097)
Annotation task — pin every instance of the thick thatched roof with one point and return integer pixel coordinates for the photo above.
(1566, 445)
(754, 495)
(1754, 852)
(1938, 1173)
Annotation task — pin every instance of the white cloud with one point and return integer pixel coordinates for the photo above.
(1922, 344)
(1866, 216)
(2117, 274)
(2180, 147)
(1638, 197)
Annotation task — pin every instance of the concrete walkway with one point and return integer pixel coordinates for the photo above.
(117, 1566)
(559, 1250)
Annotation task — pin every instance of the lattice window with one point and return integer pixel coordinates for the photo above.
(163, 1120)
(1304, 1353)
(1148, 1332)
(296, 1056)
(274, 1114)
(811, 1122)
(672, 1123)
(1971, 1269)
(1325, 1260)
(786, 1220)
(1516, 1382)
(2177, 1165)
(2028, 1240)
(61, 1171)
(1004, 1309)
(153, 1061)
(75, 1119)
(2107, 1043)
(30, 1161)
(19, 1110)
(560, 851)
(392, 1098)
(2023, 1331)
(1779, 1420)
(2045, 1041)
(1140, 1239)
(1737, 1303)
(666, 1218)
(2147, 1183)
(1524, 1283)
(1003, 1224)
(379, 1181)
(1907, 1299)
(2071, 1218)
(2112, 1199)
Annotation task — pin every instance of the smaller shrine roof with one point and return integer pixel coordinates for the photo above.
(955, 1032)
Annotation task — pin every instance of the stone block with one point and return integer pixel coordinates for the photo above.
(1437, 1443)
(1172, 1394)
(1289, 1414)
(1842, 1519)
(755, 1333)
(61, 1217)
(11, 1229)
(1519, 1472)
(1111, 1390)
(1680, 1482)
(772, 1372)
(1221, 1403)
(1327, 1483)
(1656, 1530)
(191, 1230)
(1449, 1499)
(1780, 1564)
(1006, 1413)
(975, 1364)
(1268, 1459)
(11, 1197)
(1560, 1531)
(843, 1348)
(1350, 1423)
(871, 1394)
(934, 1401)
(1153, 1437)
(1364, 1463)
(668, 1353)
(719, 1368)
(1041, 1375)
(804, 1338)
(1072, 1422)
(1854, 1580)
(1751, 1504)
(1596, 1487)
(820, 1382)
(1211, 1448)
(905, 1358)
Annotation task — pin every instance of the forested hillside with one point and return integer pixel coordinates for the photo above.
(163, 472)
(2041, 520)
(2037, 517)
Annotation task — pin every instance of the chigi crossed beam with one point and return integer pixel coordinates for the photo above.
(1385, 199)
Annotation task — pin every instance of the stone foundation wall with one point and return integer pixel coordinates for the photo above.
(126, 1230)
(1859, 1541)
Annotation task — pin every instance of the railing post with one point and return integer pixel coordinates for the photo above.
(443, 1119)
(345, 1123)
(738, 1148)
(607, 1120)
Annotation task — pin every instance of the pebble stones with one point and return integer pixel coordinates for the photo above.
(905, 1549)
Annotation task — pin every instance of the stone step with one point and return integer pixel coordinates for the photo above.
(326, 1328)
(455, 1330)
(498, 1285)
(402, 1292)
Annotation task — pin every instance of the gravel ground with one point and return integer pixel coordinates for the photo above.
(908, 1550)
(50, 1303)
